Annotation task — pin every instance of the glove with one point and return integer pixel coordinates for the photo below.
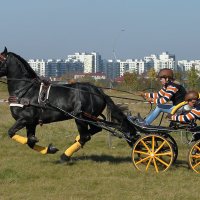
(142, 94)
(169, 116)
(150, 100)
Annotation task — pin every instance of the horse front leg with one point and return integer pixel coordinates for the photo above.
(32, 140)
(19, 124)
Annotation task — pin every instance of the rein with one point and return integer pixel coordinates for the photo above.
(24, 79)
(64, 86)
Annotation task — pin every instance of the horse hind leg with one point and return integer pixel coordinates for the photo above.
(79, 142)
(93, 130)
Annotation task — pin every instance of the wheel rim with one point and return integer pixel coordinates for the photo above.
(152, 152)
(194, 157)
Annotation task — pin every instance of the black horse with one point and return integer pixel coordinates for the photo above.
(33, 101)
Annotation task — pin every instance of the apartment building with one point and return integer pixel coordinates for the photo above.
(39, 66)
(55, 68)
(164, 60)
(92, 62)
(138, 66)
(111, 68)
(185, 65)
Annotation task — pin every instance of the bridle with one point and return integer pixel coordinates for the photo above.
(3, 61)
(2, 58)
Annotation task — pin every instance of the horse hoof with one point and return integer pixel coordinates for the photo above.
(51, 149)
(64, 158)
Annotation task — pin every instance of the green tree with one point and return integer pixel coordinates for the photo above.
(151, 74)
(180, 76)
(131, 81)
(193, 79)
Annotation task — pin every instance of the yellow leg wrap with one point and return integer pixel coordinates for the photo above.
(77, 138)
(42, 150)
(75, 147)
(20, 139)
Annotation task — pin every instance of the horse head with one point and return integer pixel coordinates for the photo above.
(13, 66)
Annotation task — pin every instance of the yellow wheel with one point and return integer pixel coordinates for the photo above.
(152, 152)
(194, 157)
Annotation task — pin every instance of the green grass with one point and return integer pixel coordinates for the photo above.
(97, 172)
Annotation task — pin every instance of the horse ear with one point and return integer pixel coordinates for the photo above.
(5, 51)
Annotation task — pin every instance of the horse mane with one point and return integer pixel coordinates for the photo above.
(31, 73)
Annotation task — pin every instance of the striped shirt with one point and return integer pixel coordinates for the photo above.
(188, 117)
(164, 95)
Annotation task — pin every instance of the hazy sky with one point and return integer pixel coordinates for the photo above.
(133, 28)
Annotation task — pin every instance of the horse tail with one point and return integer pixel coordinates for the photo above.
(114, 111)
(117, 114)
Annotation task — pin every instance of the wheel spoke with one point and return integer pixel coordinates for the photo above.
(148, 164)
(161, 161)
(146, 146)
(197, 147)
(195, 156)
(196, 165)
(160, 146)
(142, 160)
(164, 154)
(141, 152)
(153, 143)
(155, 165)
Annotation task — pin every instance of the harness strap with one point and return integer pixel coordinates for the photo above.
(91, 116)
(43, 93)
(43, 97)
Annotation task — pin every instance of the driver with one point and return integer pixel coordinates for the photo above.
(192, 101)
(171, 91)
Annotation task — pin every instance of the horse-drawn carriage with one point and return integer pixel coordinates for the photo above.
(157, 149)
(153, 148)
(34, 101)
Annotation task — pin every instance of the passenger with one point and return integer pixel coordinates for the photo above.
(194, 113)
(171, 91)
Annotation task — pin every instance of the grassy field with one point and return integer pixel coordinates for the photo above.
(97, 172)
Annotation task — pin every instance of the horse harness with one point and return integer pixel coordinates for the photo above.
(20, 101)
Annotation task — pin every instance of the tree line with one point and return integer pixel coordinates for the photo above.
(147, 81)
